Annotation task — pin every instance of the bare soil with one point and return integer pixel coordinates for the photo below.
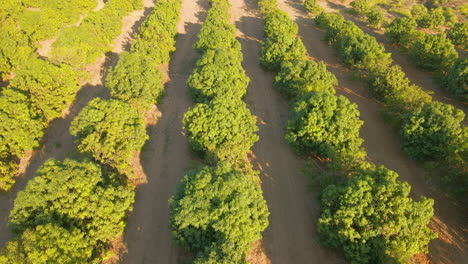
(291, 235)
(383, 145)
(166, 155)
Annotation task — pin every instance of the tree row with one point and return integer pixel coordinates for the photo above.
(366, 210)
(73, 210)
(218, 210)
(431, 131)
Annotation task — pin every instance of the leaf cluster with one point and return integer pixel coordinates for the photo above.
(217, 213)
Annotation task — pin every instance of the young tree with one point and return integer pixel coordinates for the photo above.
(361, 7)
(297, 78)
(325, 124)
(313, 7)
(434, 18)
(373, 220)
(375, 17)
(458, 34)
(217, 213)
(221, 130)
(218, 74)
(76, 195)
(402, 31)
(434, 52)
(456, 80)
(110, 130)
(434, 132)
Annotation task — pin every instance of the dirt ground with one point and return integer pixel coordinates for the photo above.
(383, 145)
(166, 155)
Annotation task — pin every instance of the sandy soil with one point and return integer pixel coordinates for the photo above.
(57, 142)
(383, 146)
(291, 235)
(166, 155)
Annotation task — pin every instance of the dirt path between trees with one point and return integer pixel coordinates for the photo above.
(383, 145)
(57, 142)
(291, 235)
(166, 155)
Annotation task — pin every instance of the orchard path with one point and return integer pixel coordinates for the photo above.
(57, 142)
(383, 145)
(291, 236)
(166, 155)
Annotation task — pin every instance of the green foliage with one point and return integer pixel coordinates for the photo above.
(297, 78)
(361, 7)
(15, 46)
(46, 244)
(418, 11)
(72, 194)
(433, 52)
(372, 219)
(281, 43)
(8, 170)
(402, 31)
(224, 129)
(434, 18)
(218, 213)
(110, 130)
(458, 34)
(136, 80)
(218, 74)
(325, 124)
(20, 127)
(375, 17)
(51, 88)
(83, 44)
(156, 38)
(363, 52)
(217, 32)
(456, 81)
(267, 6)
(313, 7)
(450, 17)
(391, 86)
(434, 132)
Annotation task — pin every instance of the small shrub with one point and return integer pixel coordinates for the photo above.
(432, 19)
(217, 214)
(313, 7)
(375, 17)
(361, 7)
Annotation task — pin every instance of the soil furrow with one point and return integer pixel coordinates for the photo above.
(166, 155)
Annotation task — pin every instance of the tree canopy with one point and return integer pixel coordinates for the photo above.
(110, 130)
(373, 220)
(217, 213)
